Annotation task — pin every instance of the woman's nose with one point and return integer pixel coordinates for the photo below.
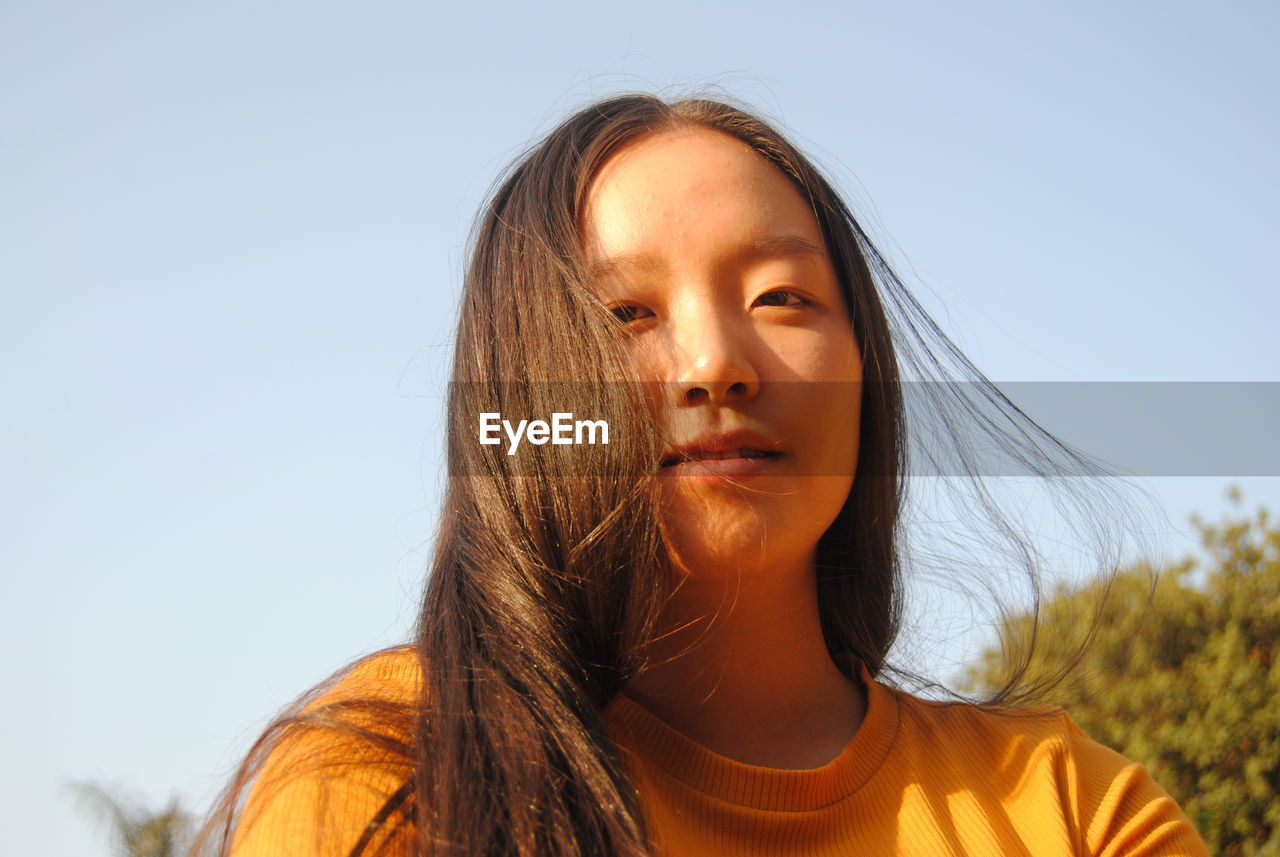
(713, 362)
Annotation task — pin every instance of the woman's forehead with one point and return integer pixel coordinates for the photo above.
(690, 186)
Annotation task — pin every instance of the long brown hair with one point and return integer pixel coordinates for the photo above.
(547, 578)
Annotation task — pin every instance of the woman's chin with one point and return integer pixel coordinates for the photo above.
(734, 544)
(717, 526)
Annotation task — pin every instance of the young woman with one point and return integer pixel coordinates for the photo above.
(671, 643)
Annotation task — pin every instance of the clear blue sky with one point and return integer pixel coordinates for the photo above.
(231, 242)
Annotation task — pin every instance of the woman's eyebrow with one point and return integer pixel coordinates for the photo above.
(777, 246)
(768, 247)
(623, 263)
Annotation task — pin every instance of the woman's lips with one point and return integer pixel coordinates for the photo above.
(735, 463)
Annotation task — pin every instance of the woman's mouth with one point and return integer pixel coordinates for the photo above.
(739, 462)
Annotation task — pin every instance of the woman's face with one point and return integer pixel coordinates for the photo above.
(716, 268)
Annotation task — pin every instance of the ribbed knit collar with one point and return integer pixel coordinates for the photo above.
(643, 734)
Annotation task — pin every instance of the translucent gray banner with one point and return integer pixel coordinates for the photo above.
(1175, 428)
(1106, 428)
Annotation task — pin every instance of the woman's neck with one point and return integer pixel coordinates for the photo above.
(746, 672)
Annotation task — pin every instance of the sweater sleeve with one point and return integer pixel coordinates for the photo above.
(336, 777)
(1120, 810)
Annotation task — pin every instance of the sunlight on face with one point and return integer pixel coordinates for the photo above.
(716, 269)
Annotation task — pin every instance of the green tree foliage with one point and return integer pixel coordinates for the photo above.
(137, 831)
(1182, 675)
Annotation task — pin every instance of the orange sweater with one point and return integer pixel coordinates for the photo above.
(919, 777)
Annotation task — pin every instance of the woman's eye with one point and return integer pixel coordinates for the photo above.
(781, 297)
(626, 313)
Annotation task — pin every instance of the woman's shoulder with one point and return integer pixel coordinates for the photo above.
(1003, 742)
(954, 730)
(378, 694)
(335, 761)
(1036, 763)
(392, 675)
(942, 719)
